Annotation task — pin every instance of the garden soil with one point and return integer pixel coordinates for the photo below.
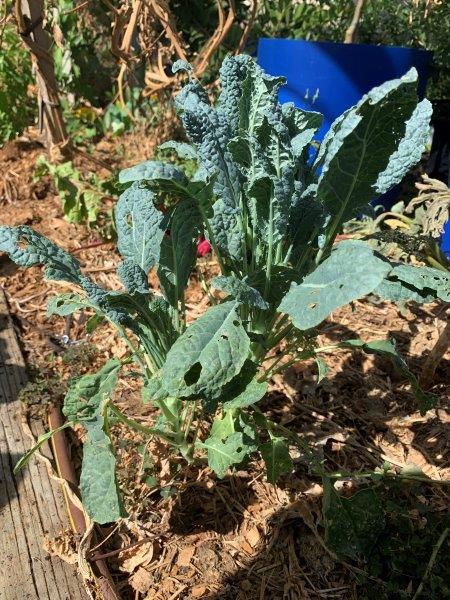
(239, 538)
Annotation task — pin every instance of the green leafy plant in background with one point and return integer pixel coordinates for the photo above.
(15, 77)
(410, 23)
(271, 206)
(81, 196)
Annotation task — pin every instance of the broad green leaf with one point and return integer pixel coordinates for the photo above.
(98, 486)
(387, 349)
(27, 248)
(352, 271)
(352, 525)
(253, 392)
(25, 459)
(66, 304)
(226, 228)
(223, 427)
(276, 456)
(409, 150)
(363, 142)
(224, 454)
(240, 291)
(140, 227)
(179, 250)
(208, 354)
(152, 169)
(88, 392)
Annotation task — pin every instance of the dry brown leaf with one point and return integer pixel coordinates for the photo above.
(198, 591)
(185, 555)
(141, 580)
(61, 546)
(245, 546)
(253, 537)
(136, 557)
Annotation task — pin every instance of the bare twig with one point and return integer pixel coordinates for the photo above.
(351, 31)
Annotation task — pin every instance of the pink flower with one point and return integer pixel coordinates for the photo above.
(203, 247)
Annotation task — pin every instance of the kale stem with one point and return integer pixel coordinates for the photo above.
(141, 428)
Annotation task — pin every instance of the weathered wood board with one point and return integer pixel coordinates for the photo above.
(31, 504)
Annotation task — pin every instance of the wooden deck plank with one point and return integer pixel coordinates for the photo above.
(31, 504)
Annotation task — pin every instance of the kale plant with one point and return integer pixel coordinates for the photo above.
(271, 203)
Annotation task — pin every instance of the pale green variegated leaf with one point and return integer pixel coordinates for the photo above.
(387, 349)
(153, 169)
(25, 459)
(276, 457)
(66, 304)
(208, 354)
(362, 144)
(181, 149)
(352, 271)
(352, 525)
(98, 485)
(222, 454)
(425, 279)
(27, 248)
(87, 393)
(179, 250)
(240, 291)
(409, 150)
(140, 227)
(223, 426)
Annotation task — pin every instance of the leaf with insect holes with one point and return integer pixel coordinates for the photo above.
(352, 271)
(66, 304)
(275, 453)
(140, 227)
(387, 349)
(425, 280)
(352, 525)
(208, 354)
(222, 454)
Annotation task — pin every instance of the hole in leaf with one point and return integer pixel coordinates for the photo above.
(193, 375)
(224, 336)
(22, 243)
(236, 323)
(129, 220)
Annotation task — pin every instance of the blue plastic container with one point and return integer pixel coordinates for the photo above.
(329, 77)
